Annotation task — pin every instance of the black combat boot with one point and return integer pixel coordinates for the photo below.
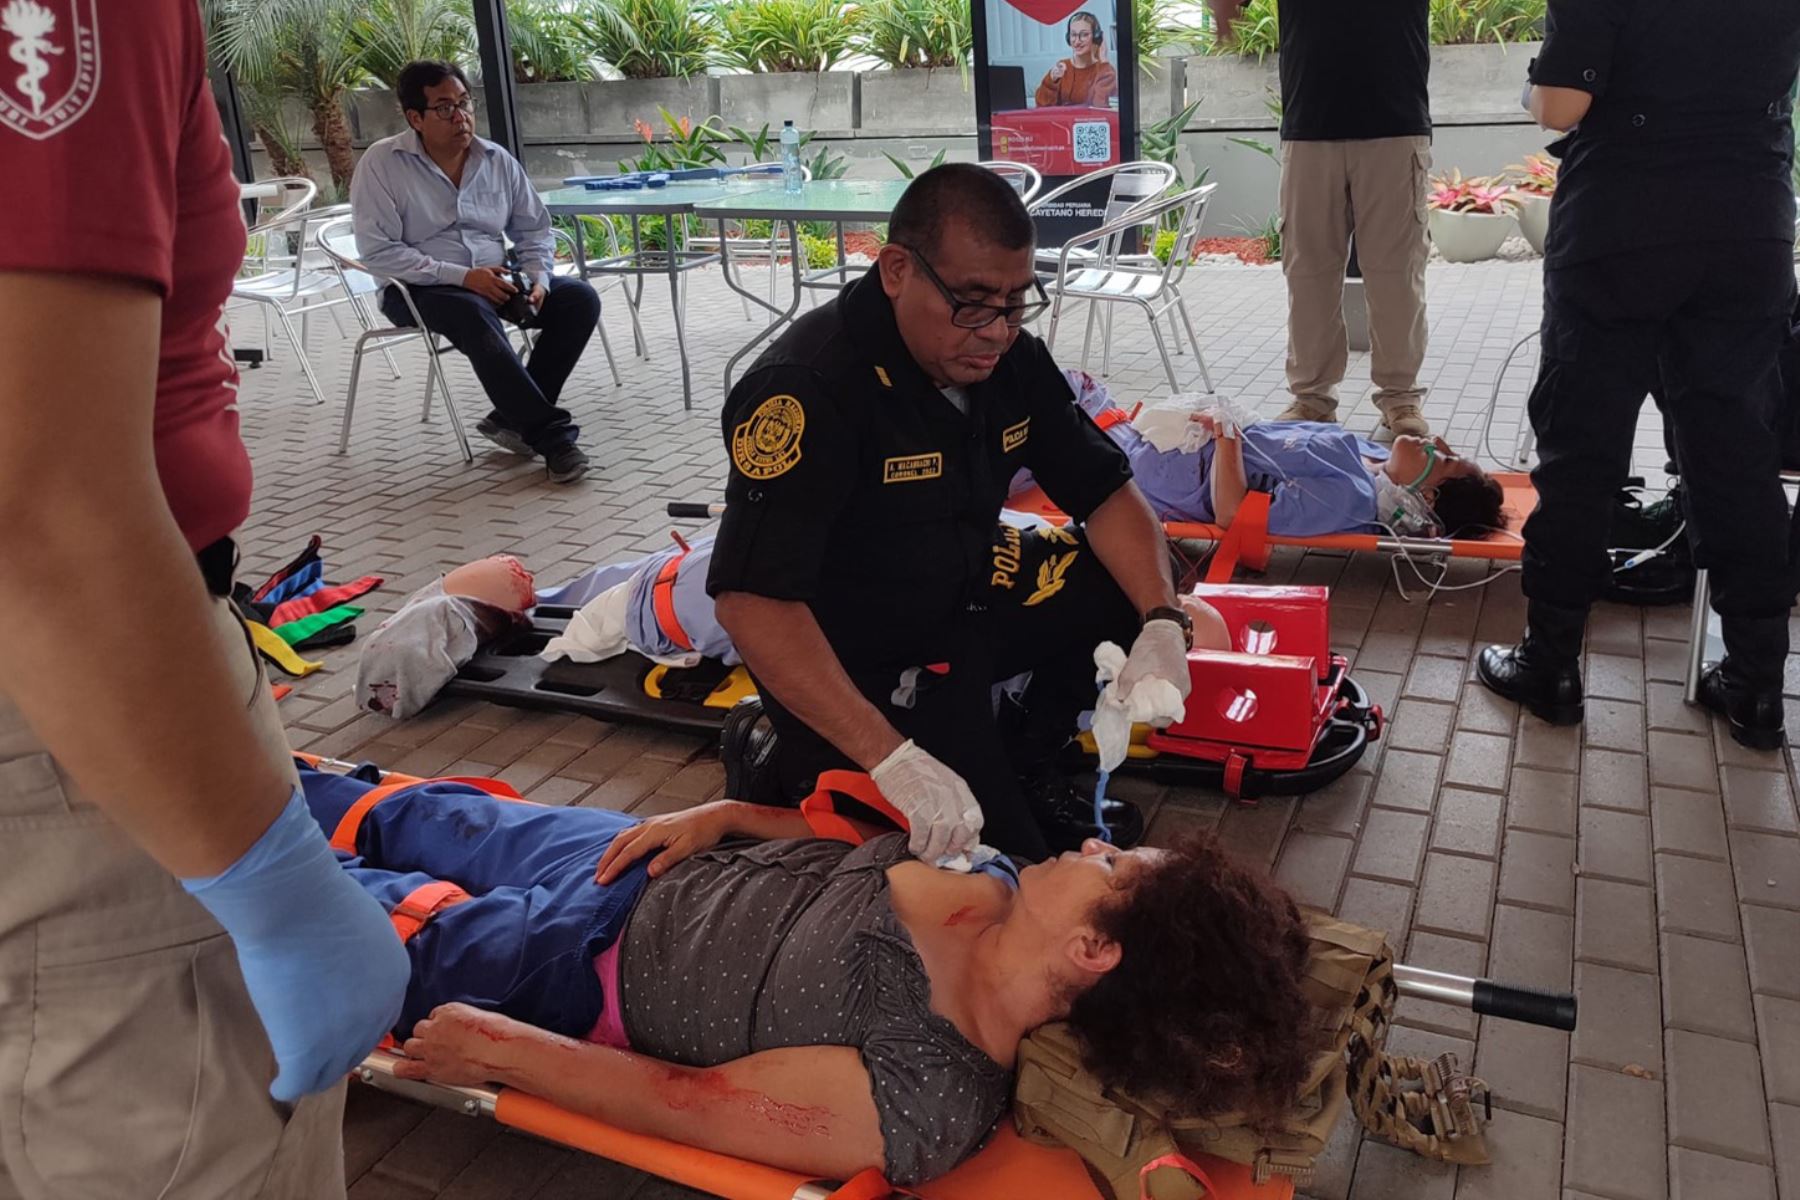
(1063, 807)
(747, 748)
(1543, 672)
(1745, 689)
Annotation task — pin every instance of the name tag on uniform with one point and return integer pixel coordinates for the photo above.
(1013, 436)
(909, 467)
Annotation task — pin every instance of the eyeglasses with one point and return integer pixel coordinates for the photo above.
(971, 314)
(448, 111)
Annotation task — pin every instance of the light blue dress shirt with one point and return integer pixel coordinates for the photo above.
(414, 225)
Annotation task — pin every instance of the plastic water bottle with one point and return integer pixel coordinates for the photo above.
(792, 177)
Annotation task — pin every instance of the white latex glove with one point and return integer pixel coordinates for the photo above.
(1154, 684)
(942, 811)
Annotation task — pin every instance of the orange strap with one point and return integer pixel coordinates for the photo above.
(662, 602)
(344, 836)
(820, 810)
(1111, 416)
(1174, 1160)
(869, 1184)
(423, 903)
(1247, 541)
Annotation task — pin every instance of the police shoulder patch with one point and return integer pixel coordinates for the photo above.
(768, 444)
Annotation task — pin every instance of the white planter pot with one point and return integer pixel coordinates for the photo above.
(1534, 218)
(1468, 237)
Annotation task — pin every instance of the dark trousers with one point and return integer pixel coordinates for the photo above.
(524, 395)
(1053, 602)
(525, 941)
(1703, 326)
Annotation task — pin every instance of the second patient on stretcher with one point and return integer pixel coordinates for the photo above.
(719, 978)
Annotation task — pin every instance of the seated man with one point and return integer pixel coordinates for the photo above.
(856, 570)
(808, 1004)
(433, 208)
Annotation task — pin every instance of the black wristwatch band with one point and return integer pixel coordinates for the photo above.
(1179, 615)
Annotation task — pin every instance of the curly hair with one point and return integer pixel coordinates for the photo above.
(1470, 504)
(1205, 1011)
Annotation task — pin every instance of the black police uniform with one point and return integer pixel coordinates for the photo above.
(1669, 262)
(859, 488)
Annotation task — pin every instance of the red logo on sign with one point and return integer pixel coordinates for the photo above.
(51, 68)
(1047, 12)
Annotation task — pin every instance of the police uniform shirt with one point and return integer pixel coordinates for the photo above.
(860, 489)
(1689, 138)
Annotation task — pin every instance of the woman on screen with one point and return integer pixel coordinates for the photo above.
(1084, 79)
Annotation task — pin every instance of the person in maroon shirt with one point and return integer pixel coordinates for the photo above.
(175, 1017)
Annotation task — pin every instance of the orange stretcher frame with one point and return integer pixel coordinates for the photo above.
(1247, 541)
(1007, 1166)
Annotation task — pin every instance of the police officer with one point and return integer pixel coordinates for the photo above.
(1670, 260)
(860, 570)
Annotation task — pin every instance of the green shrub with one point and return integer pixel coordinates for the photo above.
(646, 39)
(546, 47)
(1161, 25)
(1467, 22)
(916, 33)
(1258, 32)
(1165, 246)
(388, 34)
(820, 252)
(779, 36)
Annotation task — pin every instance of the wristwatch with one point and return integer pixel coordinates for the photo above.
(1179, 615)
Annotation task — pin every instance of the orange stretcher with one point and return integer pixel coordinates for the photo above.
(1007, 1166)
(1247, 541)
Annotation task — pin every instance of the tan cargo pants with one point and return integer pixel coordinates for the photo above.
(131, 1062)
(1376, 190)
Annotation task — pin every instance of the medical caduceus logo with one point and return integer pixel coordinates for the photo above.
(52, 65)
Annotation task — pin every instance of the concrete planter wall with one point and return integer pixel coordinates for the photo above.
(824, 102)
(1162, 91)
(935, 100)
(1470, 85)
(613, 106)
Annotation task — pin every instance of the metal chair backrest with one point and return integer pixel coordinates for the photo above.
(1026, 179)
(1192, 204)
(1134, 187)
(295, 196)
(337, 238)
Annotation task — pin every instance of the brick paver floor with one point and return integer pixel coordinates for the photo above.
(1643, 859)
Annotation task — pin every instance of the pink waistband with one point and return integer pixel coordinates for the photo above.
(609, 1030)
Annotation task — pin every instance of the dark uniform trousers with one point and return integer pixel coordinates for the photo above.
(1703, 327)
(1052, 603)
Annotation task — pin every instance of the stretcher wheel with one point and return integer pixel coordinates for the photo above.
(1340, 747)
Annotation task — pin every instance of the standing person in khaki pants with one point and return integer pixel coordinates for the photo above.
(1356, 154)
(186, 975)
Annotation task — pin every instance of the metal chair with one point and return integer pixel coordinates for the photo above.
(568, 268)
(1027, 180)
(1134, 185)
(282, 282)
(338, 241)
(1109, 277)
(602, 238)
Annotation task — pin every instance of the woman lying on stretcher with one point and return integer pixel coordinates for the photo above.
(719, 978)
(1198, 466)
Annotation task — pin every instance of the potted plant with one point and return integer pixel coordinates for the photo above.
(1470, 218)
(1534, 182)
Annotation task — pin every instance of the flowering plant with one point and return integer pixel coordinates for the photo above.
(1485, 195)
(1536, 176)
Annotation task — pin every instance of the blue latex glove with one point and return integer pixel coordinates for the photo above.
(320, 958)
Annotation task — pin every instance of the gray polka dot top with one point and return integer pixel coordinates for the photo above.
(759, 946)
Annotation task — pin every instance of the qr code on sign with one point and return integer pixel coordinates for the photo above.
(1093, 142)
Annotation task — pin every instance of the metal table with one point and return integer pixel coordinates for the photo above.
(839, 201)
(669, 202)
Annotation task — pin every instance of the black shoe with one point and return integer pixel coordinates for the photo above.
(509, 440)
(1756, 717)
(1066, 814)
(747, 748)
(566, 463)
(1551, 690)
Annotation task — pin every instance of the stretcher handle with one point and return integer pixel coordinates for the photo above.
(1533, 1006)
(1509, 1002)
(692, 510)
